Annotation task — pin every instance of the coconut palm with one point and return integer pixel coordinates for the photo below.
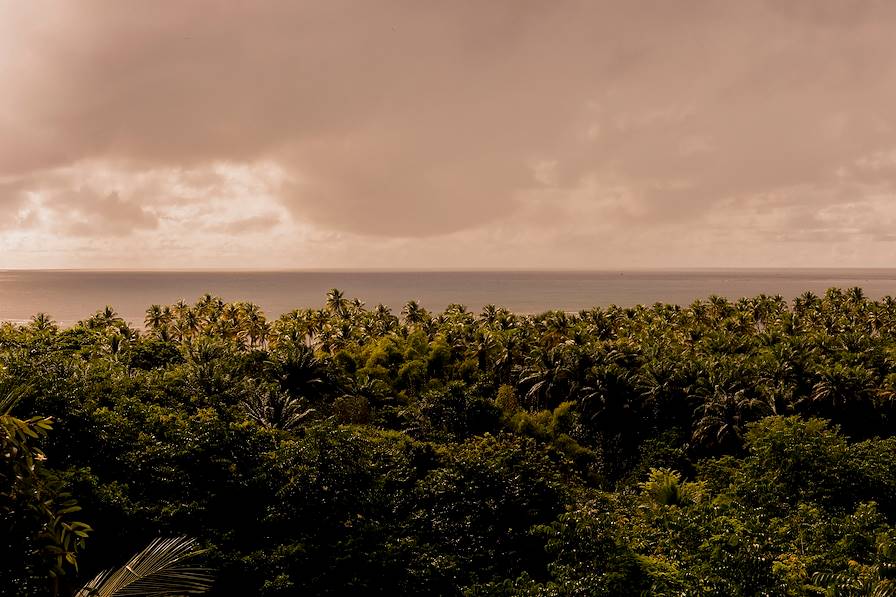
(262, 332)
(507, 356)
(105, 317)
(483, 349)
(840, 386)
(548, 378)
(356, 305)
(608, 398)
(298, 371)
(155, 318)
(206, 304)
(337, 304)
(254, 322)
(189, 324)
(179, 308)
(489, 314)
(805, 303)
(724, 416)
(383, 320)
(273, 408)
(230, 322)
(42, 322)
(414, 314)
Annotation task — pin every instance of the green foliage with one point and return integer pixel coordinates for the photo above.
(664, 487)
(724, 448)
(507, 400)
(590, 556)
(39, 537)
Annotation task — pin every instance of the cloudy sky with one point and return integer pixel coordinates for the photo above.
(423, 134)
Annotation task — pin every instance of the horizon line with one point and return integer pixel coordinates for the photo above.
(622, 270)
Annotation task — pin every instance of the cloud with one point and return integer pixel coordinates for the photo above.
(591, 133)
(83, 213)
(12, 200)
(259, 223)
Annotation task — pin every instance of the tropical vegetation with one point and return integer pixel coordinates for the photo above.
(722, 448)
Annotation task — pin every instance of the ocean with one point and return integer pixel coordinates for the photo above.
(71, 295)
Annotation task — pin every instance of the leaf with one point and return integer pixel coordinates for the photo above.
(154, 572)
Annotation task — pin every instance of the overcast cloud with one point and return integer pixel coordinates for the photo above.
(447, 134)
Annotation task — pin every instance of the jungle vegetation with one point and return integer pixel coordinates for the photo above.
(723, 448)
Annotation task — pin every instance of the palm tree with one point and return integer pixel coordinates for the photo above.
(209, 307)
(104, 318)
(342, 334)
(724, 416)
(846, 395)
(180, 308)
(383, 319)
(189, 324)
(42, 322)
(458, 314)
(263, 332)
(414, 314)
(662, 383)
(555, 325)
(337, 304)
(205, 303)
(298, 371)
(719, 306)
(805, 303)
(317, 320)
(608, 400)
(357, 305)
(506, 357)
(489, 314)
(254, 322)
(841, 385)
(273, 408)
(155, 318)
(165, 335)
(483, 348)
(855, 296)
(295, 327)
(231, 321)
(548, 378)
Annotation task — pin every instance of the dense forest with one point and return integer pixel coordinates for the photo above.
(723, 448)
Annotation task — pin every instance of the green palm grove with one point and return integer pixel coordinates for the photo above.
(724, 448)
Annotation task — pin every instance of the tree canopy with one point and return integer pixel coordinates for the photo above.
(724, 448)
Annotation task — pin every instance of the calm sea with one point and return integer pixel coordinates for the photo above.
(71, 295)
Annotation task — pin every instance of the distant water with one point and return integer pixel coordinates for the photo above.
(72, 295)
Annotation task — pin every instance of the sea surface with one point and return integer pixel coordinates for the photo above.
(72, 295)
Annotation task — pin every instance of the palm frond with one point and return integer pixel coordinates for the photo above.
(8, 402)
(154, 572)
(886, 588)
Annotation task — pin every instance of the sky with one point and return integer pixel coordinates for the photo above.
(462, 134)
